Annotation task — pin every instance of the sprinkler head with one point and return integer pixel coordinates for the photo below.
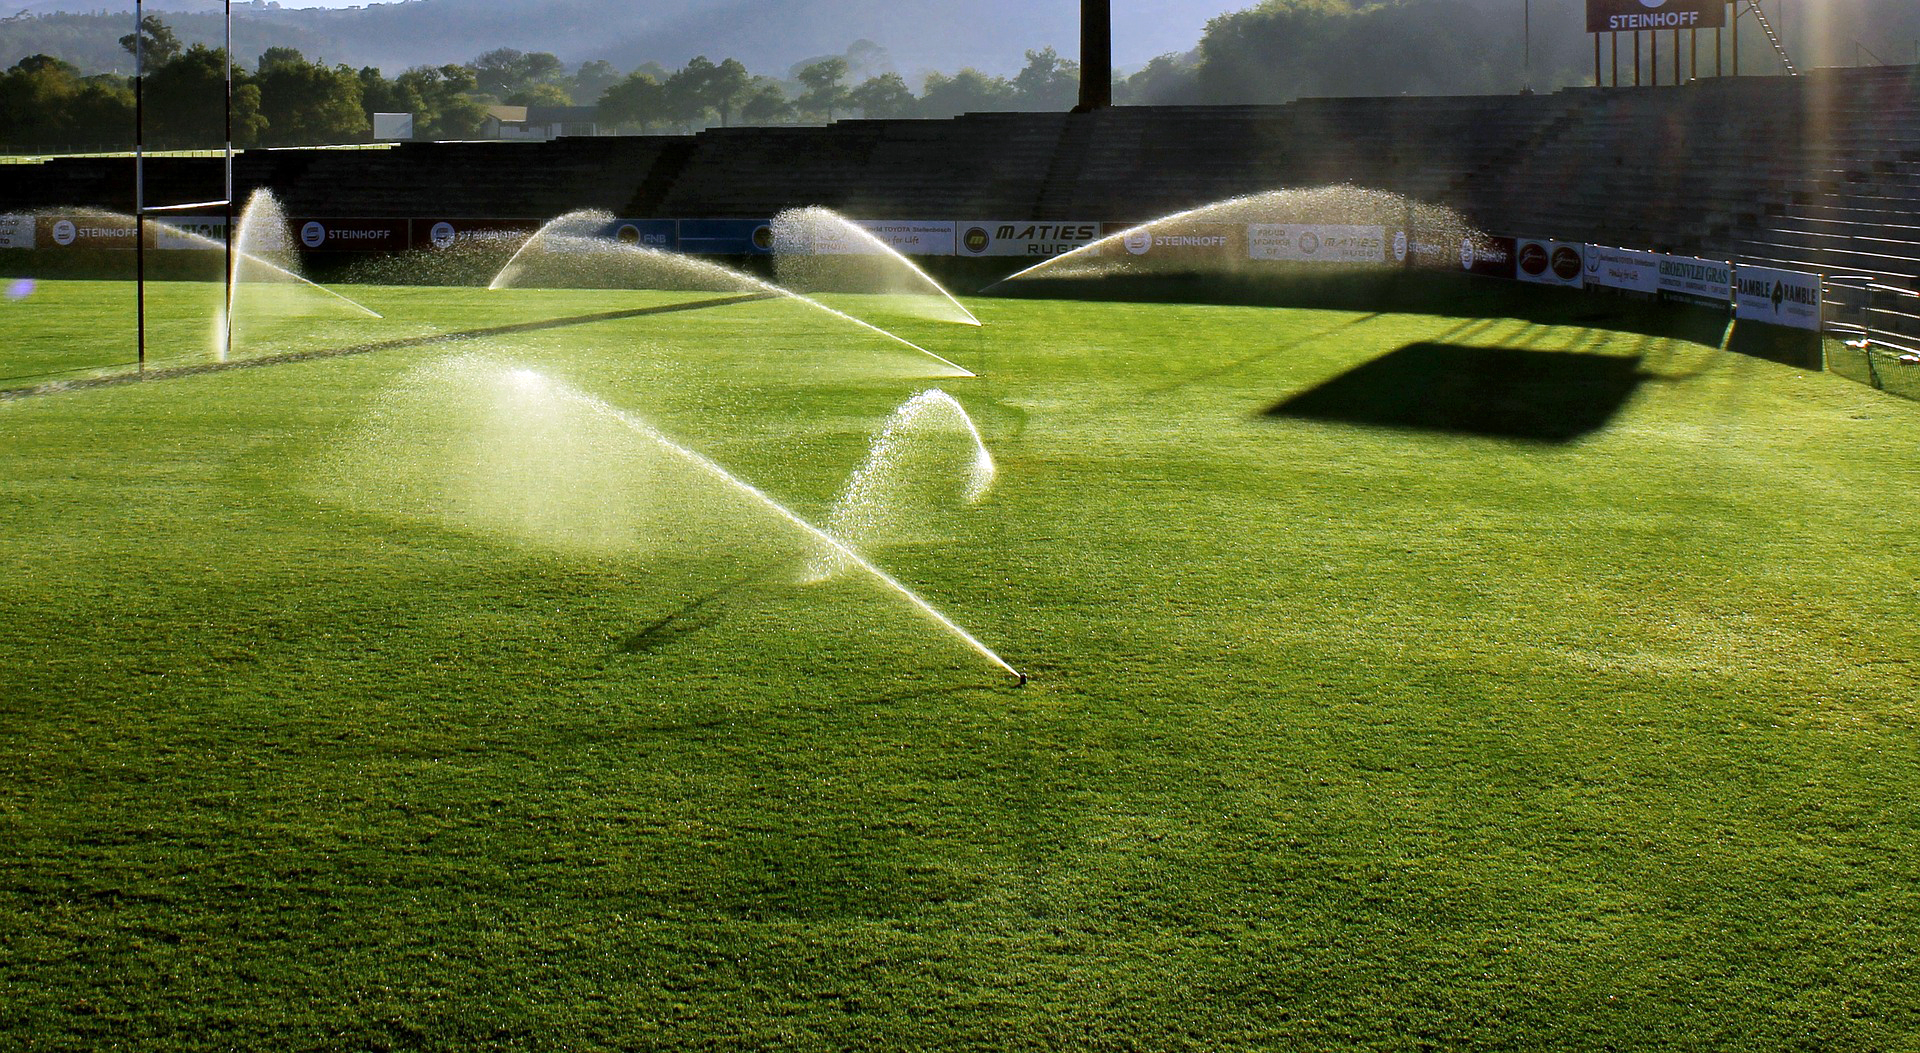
(1022, 682)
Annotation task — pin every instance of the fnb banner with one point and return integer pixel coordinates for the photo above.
(1629, 269)
(1021, 238)
(1622, 16)
(1791, 298)
(1321, 243)
(1549, 262)
(1692, 278)
(726, 237)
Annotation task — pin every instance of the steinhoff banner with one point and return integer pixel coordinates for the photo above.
(1791, 298)
(1318, 243)
(1623, 16)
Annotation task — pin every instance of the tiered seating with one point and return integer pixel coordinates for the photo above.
(987, 164)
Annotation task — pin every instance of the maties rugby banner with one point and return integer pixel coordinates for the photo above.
(1319, 243)
(1622, 16)
(1021, 238)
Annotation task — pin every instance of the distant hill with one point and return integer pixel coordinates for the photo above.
(771, 35)
(768, 35)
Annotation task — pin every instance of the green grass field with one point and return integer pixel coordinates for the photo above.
(1507, 677)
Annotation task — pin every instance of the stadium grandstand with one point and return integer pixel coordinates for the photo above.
(1817, 172)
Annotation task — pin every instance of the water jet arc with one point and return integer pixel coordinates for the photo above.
(842, 549)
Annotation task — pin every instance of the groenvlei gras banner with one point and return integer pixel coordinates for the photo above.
(1320, 243)
(1692, 278)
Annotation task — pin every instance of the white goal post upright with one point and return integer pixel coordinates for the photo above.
(140, 206)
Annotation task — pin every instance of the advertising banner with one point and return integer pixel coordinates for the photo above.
(663, 234)
(1622, 16)
(1219, 241)
(1487, 255)
(350, 235)
(1692, 278)
(16, 232)
(726, 237)
(906, 237)
(190, 232)
(1628, 269)
(84, 232)
(1790, 298)
(1021, 238)
(444, 234)
(1321, 243)
(1549, 262)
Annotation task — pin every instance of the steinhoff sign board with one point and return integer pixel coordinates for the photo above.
(1623, 16)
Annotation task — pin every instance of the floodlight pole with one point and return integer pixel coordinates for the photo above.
(226, 272)
(1526, 46)
(139, 185)
(1096, 55)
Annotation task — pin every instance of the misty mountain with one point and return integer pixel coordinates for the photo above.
(768, 35)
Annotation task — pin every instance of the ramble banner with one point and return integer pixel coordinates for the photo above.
(1319, 243)
(1623, 16)
(1629, 269)
(1790, 298)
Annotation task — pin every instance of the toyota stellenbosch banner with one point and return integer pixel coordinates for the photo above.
(1621, 16)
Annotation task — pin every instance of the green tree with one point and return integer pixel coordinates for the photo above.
(639, 101)
(826, 89)
(686, 93)
(440, 99)
(503, 71)
(1047, 83)
(886, 95)
(966, 91)
(1165, 80)
(540, 95)
(307, 104)
(592, 79)
(186, 102)
(767, 103)
(161, 46)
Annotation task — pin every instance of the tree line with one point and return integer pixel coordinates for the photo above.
(1272, 52)
(285, 99)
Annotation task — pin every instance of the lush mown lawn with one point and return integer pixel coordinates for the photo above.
(1399, 680)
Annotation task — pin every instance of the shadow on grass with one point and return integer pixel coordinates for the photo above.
(1500, 392)
(1445, 294)
(402, 343)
